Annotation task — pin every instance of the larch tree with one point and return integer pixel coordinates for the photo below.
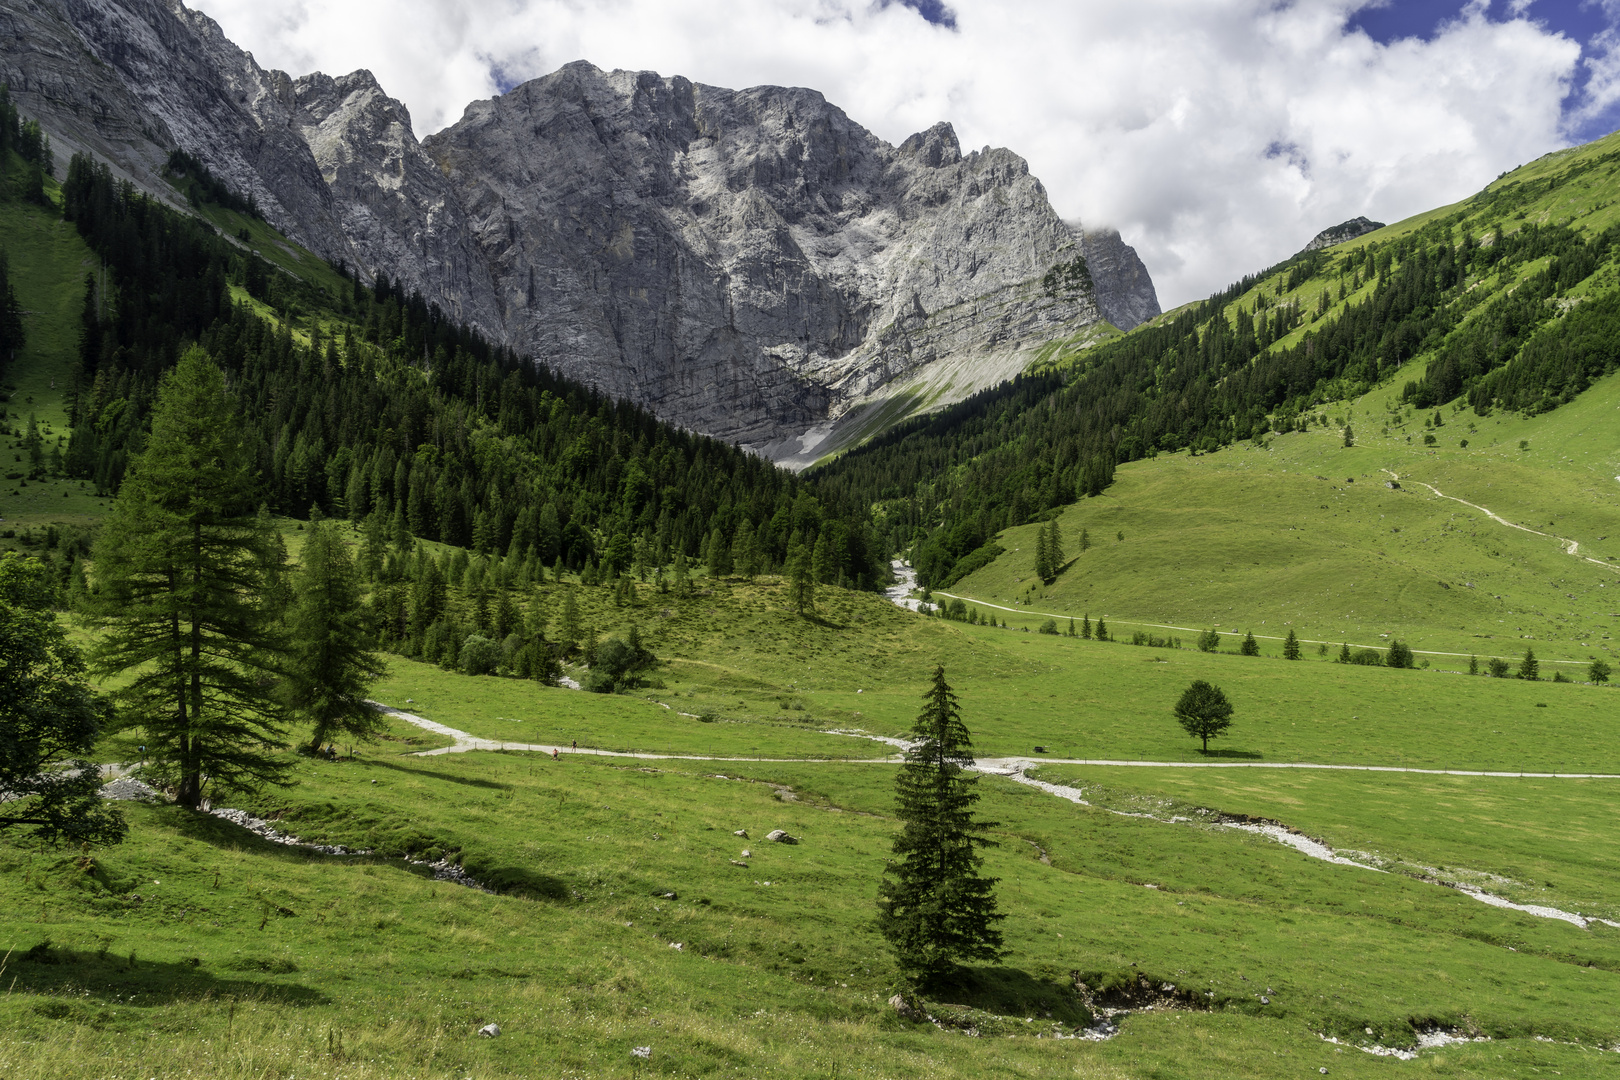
(801, 580)
(935, 907)
(185, 576)
(331, 666)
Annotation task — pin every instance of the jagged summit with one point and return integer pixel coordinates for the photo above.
(750, 263)
(1342, 232)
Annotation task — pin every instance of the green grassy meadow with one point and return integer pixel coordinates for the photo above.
(1302, 533)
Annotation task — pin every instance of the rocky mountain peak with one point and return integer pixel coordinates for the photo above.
(751, 263)
(935, 147)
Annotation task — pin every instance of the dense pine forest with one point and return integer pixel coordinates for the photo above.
(1232, 368)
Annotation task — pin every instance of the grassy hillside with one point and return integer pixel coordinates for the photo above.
(1291, 529)
(1300, 532)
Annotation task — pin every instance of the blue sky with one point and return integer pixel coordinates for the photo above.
(1579, 20)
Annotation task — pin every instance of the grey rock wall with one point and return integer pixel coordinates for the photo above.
(749, 263)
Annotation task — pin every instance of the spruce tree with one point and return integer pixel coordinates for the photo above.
(1291, 646)
(1344, 653)
(1250, 647)
(331, 667)
(1102, 629)
(1054, 548)
(1071, 632)
(1085, 627)
(183, 569)
(1043, 556)
(1529, 667)
(935, 907)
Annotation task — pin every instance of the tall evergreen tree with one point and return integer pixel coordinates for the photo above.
(182, 569)
(1043, 557)
(1250, 647)
(1530, 667)
(1054, 547)
(745, 551)
(801, 580)
(331, 666)
(936, 908)
(1291, 645)
(48, 717)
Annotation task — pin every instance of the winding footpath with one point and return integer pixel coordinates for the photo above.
(1016, 770)
(1571, 547)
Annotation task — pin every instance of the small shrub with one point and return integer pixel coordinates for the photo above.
(1049, 627)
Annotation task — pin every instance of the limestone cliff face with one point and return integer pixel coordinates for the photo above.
(398, 213)
(753, 261)
(749, 263)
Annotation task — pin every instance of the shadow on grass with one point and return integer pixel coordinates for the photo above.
(1011, 992)
(43, 968)
(469, 781)
(1235, 755)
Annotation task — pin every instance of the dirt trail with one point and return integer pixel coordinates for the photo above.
(1014, 768)
(1571, 547)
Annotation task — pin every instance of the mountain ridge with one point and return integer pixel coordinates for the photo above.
(786, 272)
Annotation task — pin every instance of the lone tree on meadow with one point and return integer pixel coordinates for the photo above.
(1598, 673)
(187, 595)
(1204, 711)
(1250, 647)
(1530, 667)
(935, 908)
(801, 580)
(1291, 646)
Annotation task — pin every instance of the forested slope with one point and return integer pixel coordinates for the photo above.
(363, 400)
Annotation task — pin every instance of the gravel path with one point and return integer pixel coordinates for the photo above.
(1014, 768)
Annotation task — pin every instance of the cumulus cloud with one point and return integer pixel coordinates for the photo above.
(1217, 135)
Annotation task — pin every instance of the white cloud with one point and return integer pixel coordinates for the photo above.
(1217, 135)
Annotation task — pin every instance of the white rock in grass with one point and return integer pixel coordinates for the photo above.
(489, 1031)
(641, 1051)
(781, 837)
